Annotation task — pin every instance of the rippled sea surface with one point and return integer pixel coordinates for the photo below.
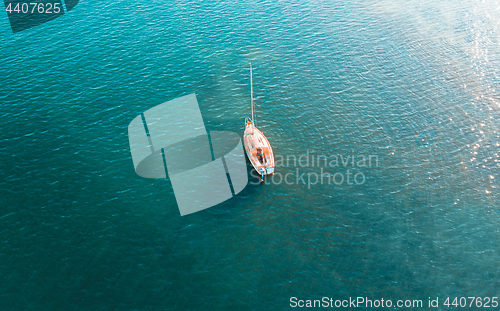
(414, 84)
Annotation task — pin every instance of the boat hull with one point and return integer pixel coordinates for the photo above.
(258, 150)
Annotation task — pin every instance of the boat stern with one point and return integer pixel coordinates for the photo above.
(269, 170)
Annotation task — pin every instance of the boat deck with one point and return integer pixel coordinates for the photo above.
(258, 150)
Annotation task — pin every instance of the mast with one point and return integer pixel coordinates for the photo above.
(251, 92)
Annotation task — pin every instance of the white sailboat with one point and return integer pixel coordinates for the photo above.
(257, 147)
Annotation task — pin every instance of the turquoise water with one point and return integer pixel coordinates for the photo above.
(414, 84)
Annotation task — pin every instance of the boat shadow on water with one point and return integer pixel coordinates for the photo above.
(241, 203)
